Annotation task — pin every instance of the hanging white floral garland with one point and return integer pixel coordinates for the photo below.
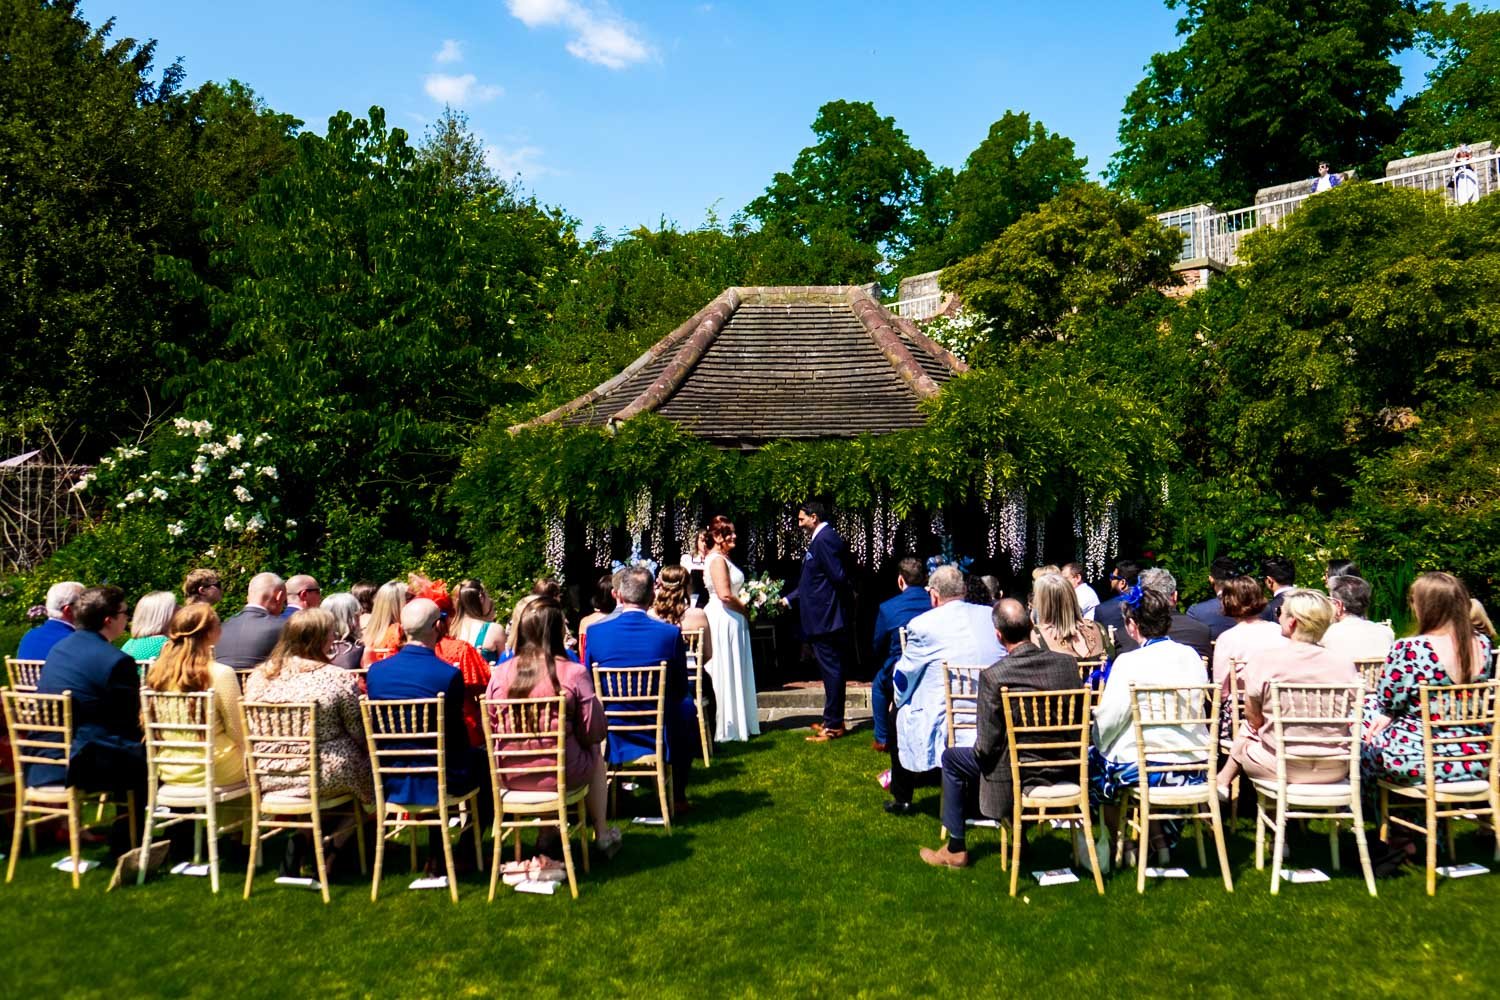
(555, 547)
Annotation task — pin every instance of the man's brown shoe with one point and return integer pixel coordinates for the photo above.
(879, 747)
(944, 858)
(822, 734)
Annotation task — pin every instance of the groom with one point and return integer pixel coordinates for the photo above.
(819, 597)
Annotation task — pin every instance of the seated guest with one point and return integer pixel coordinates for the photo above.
(1060, 626)
(1305, 616)
(38, 642)
(894, 615)
(1444, 651)
(1088, 598)
(540, 670)
(474, 619)
(603, 602)
(364, 593)
(1280, 575)
(202, 586)
(976, 779)
(1352, 634)
(382, 633)
(248, 638)
(416, 671)
(1211, 612)
(1186, 630)
(1338, 567)
(1156, 660)
(458, 654)
(302, 593)
(186, 665)
(1243, 600)
(1480, 620)
(632, 638)
(954, 632)
(107, 754)
(977, 591)
(1111, 613)
(348, 644)
(674, 605)
(148, 626)
(299, 670)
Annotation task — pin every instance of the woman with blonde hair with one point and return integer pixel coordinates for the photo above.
(382, 634)
(300, 670)
(1480, 620)
(1060, 625)
(148, 625)
(348, 640)
(1304, 616)
(1444, 651)
(186, 665)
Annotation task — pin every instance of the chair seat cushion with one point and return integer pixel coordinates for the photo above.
(193, 796)
(286, 802)
(1446, 790)
(1063, 790)
(516, 798)
(1180, 795)
(48, 794)
(453, 800)
(1331, 794)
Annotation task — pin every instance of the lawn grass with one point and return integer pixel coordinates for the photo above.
(786, 879)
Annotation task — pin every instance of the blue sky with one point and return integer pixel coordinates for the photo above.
(628, 112)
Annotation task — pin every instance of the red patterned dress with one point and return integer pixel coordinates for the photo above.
(1395, 754)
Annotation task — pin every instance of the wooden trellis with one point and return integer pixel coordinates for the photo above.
(38, 508)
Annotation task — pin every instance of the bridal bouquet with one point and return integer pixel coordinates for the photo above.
(761, 597)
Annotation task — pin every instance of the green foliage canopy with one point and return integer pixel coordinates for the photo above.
(1458, 105)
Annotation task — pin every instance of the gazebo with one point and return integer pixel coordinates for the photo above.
(766, 363)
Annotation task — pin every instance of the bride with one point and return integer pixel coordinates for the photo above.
(731, 666)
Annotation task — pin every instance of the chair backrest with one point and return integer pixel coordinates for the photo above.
(1460, 718)
(1369, 670)
(1232, 711)
(23, 674)
(281, 742)
(1052, 723)
(406, 739)
(961, 696)
(692, 638)
(525, 739)
(1192, 706)
(1316, 722)
(41, 728)
(178, 721)
(1090, 669)
(634, 699)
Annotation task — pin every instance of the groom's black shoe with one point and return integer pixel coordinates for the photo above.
(899, 808)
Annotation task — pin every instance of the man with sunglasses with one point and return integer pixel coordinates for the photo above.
(1111, 613)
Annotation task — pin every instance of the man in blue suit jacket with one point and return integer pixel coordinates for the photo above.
(1211, 612)
(894, 615)
(37, 643)
(821, 598)
(415, 671)
(107, 754)
(633, 638)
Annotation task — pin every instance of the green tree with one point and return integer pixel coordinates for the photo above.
(1018, 167)
(862, 178)
(372, 314)
(1085, 250)
(1458, 104)
(1258, 93)
(101, 165)
(452, 145)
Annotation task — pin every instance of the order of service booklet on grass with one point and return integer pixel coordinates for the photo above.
(1306, 875)
(1057, 876)
(1462, 871)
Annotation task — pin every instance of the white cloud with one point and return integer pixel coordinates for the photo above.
(459, 90)
(599, 35)
(451, 52)
(523, 160)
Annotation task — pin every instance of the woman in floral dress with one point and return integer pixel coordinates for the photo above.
(1444, 651)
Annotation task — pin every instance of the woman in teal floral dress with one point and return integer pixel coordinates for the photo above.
(1444, 651)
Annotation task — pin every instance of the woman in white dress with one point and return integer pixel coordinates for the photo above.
(730, 666)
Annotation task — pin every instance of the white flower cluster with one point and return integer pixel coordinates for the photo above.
(233, 523)
(197, 428)
(82, 484)
(242, 495)
(269, 471)
(158, 494)
(176, 528)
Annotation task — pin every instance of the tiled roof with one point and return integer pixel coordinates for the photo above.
(758, 364)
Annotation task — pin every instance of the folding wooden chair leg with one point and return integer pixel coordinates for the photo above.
(703, 741)
(1218, 824)
(74, 823)
(664, 792)
(15, 833)
(450, 867)
(1333, 843)
(478, 839)
(318, 858)
(495, 859)
(567, 846)
(1198, 836)
(1362, 845)
(1088, 841)
(1015, 852)
(1280, 846)
(1448, 830)
(254, 850)
(583, 825)
(1260, 835)
(213, 860)
(1142, 838)
(379, 856)
(146, 837)
(413, 843)
(359, 837)
(1432, 839)
(197, 843)
(1385, 815)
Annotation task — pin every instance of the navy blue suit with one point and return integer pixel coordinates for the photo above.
(414, 671)
(633, 638)
(38, 642)
(821, 598)
(894, 615)
(1211, 613)
(1112, 612)
(107, 753)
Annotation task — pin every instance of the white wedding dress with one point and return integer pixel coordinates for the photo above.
(732, 667)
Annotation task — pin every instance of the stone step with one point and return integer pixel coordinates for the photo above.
(856, 697)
